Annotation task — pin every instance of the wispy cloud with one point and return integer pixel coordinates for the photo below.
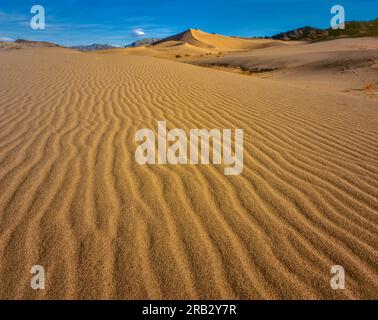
(139, 32)
(6, 39)
(12, 18)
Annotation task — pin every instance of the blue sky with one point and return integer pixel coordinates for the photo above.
(71, 22)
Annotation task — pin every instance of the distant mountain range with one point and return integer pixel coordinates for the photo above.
(29, 43)
(21, 44)
(99, 46)
(142, 42)
(352, 29)
(92, 47)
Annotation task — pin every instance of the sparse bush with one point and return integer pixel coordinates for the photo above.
(369, 87)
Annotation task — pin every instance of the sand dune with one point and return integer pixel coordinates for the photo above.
(206, 40)
(196, 44)
(73, 199)
(337, 65)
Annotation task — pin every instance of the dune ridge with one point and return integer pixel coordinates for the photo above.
(73, 199)
(201, 39)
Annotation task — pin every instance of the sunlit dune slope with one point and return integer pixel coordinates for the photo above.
(202, 39)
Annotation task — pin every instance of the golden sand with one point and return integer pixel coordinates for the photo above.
(74, 200)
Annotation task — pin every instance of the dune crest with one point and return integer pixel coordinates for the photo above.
(201, 39)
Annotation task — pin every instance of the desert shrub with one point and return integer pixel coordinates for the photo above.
(369, 87)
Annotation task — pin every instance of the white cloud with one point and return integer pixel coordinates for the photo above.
(139, 32)
(6, 39)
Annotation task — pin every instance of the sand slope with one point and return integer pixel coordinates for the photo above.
(206, 40)
(336, 65)
(73, 199)
(196, 43)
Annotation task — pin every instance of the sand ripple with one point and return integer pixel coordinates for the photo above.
(73, 199)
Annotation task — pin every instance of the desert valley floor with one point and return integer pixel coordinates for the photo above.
(73, 199)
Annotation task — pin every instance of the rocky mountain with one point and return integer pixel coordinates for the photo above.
(24, 44)
(93, 47)
(142, 42)
(352, 29)
(29, 43)
(305, 33)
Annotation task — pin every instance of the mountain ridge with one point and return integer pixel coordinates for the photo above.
(352, 29)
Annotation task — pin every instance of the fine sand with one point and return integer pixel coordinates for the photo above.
(346, 65)
(74, 200)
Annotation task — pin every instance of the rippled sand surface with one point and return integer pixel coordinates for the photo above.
(74, 200)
